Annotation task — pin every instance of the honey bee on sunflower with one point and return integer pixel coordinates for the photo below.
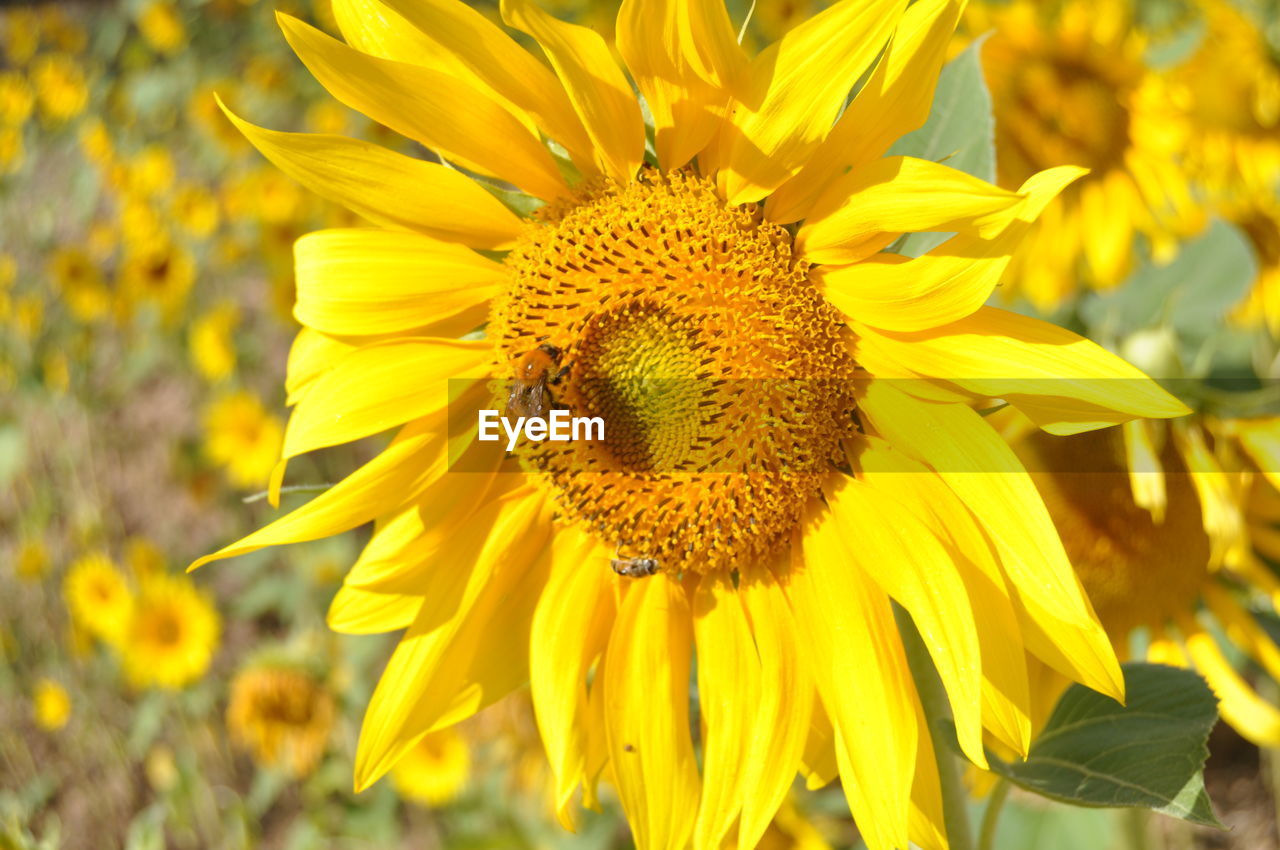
(720, 293)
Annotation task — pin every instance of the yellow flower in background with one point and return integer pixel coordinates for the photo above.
(98, 597)
(96, 142)
(213, 351)
(161, 27)
(203, 112)
(79, 283)
(435, 771)
(143, 558)
(16, 98)
(140, 224)
(60, 31)
(8, 270)
(171, 634)
(61, 89)
(282, 715)
(791, 831)
(325, 116)
(242, 437)
(151, 171)
(1233, 100)
(20, 31)
(195, 209)
(51, 705)
(1157, 524)
(726, 307)
(28, 315)
(32, 560)
(1257, 214)
(159, 273)
(12, 151)
(1068, 87)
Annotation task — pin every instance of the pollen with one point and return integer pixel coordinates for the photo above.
(724, 379)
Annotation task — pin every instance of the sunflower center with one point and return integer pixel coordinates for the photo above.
(1136, 571)
(1056, 107)
(721, 374)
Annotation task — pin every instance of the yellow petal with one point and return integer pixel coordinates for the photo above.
(861, 673)
(980, 468)
(468, 643)
(729, 693)
(902, 555)
(795, 91)
(1242, 629)
(893, 102)
(361, 612)
(408, 546)
(782, 723)
(373, 27)
(1061, 381)
(597, 88)
(901, 194)
(1220, 510)
(1146, 473)
(818, 764)
(375, 281)
(380, 386)
(570, 630)
(1249, 714)
(947, 284)
(415, 459)
(927, 825)
(646, 705)
(449, 116)
(495, 58)
(1260, 438)
(311, 355)
(387, 188)
(685, 57)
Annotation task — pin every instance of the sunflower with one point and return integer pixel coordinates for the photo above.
(1069, 86)
(282, 714)
(1161, 525)
(80, 283)
(210, 344)
(61, 89)
(171, 634)
(98, 597)
(50, 705)
(243, 437)
(435, 771)
(766, 371)
(1257, 214)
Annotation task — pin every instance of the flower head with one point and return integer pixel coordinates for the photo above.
(241, 436)
(51, 705)
(435, 772)
(99, 597)
(767, 371)
(171, 635)
(282, 714)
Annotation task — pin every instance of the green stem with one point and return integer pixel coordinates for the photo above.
(991, 817)
(933, 698)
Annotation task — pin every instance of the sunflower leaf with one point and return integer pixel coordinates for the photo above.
(1148, 753)
(959, 132)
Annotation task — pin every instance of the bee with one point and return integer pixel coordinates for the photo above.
(535, 370)
(634, 567)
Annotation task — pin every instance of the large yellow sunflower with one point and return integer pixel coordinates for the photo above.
(1164, 527)
(1069, 87)
(766, 373)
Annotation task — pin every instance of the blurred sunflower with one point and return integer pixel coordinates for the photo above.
(282, 714)
(1257, 214)
(1233, 97)
(16, 98)
(1154, 521)
(1069, 87)
(79, 283)
(61, 89)
(209, 343)
(243, 437)
(50, 705)
(32, 560)
(98, 597)
(160, 272)
(435, 771)
(171, 634)
(160, 25)
(797, 375)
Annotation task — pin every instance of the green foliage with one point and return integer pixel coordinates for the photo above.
(960, 131)
(1148, 753)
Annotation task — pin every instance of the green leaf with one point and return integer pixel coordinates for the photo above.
(1192, 294)
(960, 131)
(1148, 753)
